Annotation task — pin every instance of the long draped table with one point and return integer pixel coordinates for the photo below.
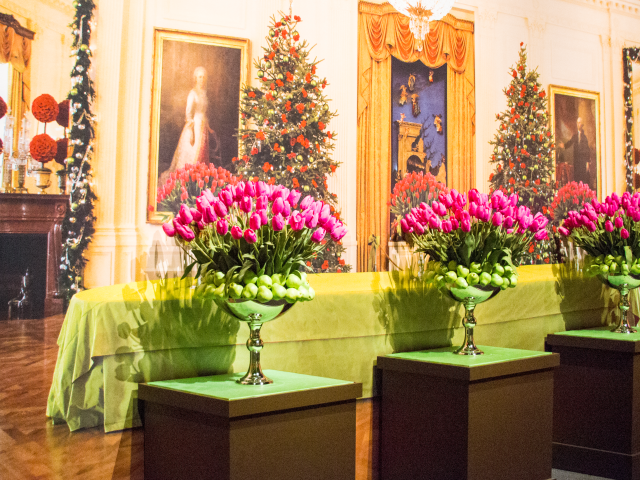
(118, 336)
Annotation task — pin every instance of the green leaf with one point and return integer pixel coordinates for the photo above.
(187, 270)
(628, 255)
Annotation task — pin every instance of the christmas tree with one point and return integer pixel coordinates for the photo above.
(284, 137)
(523, 150)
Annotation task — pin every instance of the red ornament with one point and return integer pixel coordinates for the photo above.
(45, 109)
(63, 114)
(62, 149)
(42, 147)
(3, 107)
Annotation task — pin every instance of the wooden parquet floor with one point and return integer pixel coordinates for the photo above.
(31, 447)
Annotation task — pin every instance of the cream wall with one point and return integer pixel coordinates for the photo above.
(575, 43)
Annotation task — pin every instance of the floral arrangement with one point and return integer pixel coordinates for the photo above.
(62, 118)
(43, 148)
(609, 232)
(572, 196)
(61, 150)
(476, 244)
(411, 191)
(252, 240)
(45, 108)
(186, 184)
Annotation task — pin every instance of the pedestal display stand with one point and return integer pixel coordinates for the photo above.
(461, 417)
(597, 403)
(299, 427)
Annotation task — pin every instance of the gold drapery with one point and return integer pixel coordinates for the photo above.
(383, 33)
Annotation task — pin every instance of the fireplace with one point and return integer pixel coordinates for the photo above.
(31, 237)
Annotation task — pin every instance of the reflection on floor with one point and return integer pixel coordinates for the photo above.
(32, 447)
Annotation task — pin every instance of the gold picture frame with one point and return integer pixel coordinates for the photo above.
(566, 106)
(179, 58)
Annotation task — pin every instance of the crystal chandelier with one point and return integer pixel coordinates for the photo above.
(420, 13)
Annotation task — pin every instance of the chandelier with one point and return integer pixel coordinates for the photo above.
(420, 13)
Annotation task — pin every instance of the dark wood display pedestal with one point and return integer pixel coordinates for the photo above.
(454, 417)
(597, 403)
(299, 427)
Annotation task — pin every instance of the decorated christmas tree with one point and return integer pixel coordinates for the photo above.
(77, 227)
(284, 137)
(523, 150)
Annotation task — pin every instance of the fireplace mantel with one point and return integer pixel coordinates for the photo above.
(38, 215)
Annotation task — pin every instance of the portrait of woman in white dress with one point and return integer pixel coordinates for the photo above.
(193, 146)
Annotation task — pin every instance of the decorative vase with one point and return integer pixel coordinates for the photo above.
(624, 284)
(255, 314)
(62, 181)
(43, 179)
(470, 297)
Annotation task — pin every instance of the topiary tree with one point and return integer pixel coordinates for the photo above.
(284, 136)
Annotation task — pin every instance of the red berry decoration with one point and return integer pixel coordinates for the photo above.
(62, 149)
(3, 107)
(63, 114)
(45, 108)
(43, 148)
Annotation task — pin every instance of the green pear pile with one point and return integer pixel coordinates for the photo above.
(452, 275)
(610, 265)
(264, 288)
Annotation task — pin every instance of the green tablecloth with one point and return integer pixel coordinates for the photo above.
(115, 337)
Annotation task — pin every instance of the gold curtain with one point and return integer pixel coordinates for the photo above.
(384, 33)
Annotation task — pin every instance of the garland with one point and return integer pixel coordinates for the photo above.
(629, 55)
(77, 227)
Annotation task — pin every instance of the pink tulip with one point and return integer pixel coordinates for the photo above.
(294, 197)
(185, 215)
(169, 229)
(264, 216)
(497, 219)
(591, 226)
(209, 215)
(306, 202)
(328, 225)
(317, 206)
(418, 228)
(296, 221)
(238, 191)
(618, 222)
(255, 222)
(338, 232)
(236, 232)
(624, 233)
(197, 216)
(250, 236)
(222, 226)
(250, 189)
(318, 235)
(404, 225)
(184, 231)
(445, 199)
(312, 221)
(446, 226)
(220, 209)
(540, 235)
(246, 204)
(261, 188)
(277, 223)
(454, 224)
(209, 196)
(435, 223)
(202, 203)
(226, 197)
(262, 202)
(564, 231)
(473, 209)
(325, 213)
(508, 222)
(465, 226)
(286, 211)
(513, 200)
(278, 206)
(473, 195)
(608, 226)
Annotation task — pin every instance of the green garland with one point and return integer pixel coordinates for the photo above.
(77, 227)
(629, 55)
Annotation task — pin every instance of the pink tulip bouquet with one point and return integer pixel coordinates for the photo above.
(475, 242)
(610, 234)
(251, 240)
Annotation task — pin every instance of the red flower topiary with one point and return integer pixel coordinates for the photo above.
(43, 148)
(63, 114)
(61, 152)
(45, 108)
(3, 107)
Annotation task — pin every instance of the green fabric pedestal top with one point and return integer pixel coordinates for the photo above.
(226, 388)
(603, 333)
(445, 356)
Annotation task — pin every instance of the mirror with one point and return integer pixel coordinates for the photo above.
(635, 99)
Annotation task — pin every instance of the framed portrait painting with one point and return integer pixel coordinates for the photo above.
(575, 123)
(195, 107)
